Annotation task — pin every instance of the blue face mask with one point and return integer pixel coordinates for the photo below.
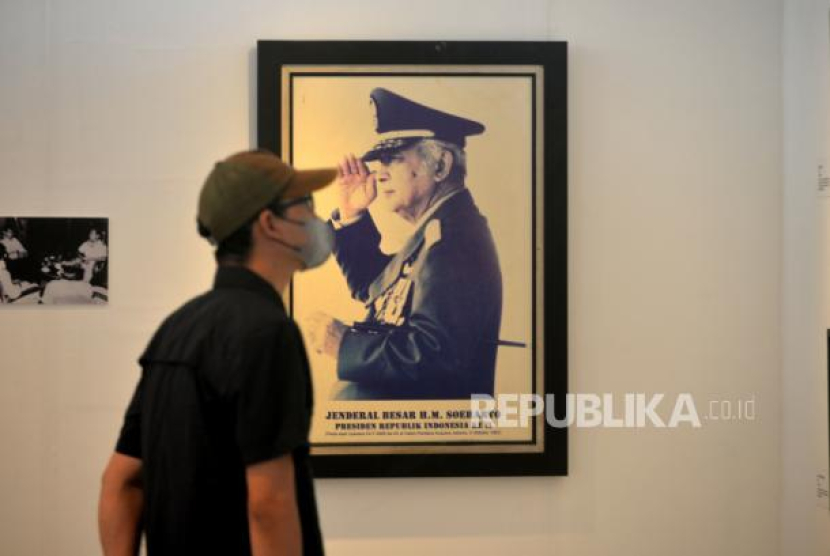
(320, 242)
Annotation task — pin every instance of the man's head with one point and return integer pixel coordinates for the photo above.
(94, 235)
(419, 149)
(8, 233)
(253, 198)
(408, 177)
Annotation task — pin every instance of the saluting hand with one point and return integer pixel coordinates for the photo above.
(356, 187)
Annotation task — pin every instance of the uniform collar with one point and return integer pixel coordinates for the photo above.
(413, 245)
(240, 277)
(428, 214)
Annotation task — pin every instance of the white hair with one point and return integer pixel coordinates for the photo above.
(431, 151)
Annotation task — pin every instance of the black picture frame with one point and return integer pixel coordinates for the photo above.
(551, 57)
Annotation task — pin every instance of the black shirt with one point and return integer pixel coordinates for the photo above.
(225, 384)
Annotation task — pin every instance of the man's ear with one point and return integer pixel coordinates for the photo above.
(267, 224)
(443, 166)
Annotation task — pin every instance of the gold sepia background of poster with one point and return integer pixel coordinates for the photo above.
(330, 116)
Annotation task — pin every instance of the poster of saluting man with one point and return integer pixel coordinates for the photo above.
(434, 291)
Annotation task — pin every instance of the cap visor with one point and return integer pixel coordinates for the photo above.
(389, 146)
(370, 156)
(307, 181)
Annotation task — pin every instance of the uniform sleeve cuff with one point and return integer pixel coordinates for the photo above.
(338, 223)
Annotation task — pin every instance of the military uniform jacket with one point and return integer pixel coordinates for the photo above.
(434, 308)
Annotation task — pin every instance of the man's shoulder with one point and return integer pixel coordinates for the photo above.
(233, 308)
(213, 319)
(458, 226)
(459, 237)
(460, 213)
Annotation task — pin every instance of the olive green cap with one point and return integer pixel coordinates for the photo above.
(243, 184)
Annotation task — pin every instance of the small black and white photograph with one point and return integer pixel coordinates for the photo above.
(53, 261)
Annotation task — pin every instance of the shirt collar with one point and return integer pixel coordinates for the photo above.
(428, 214)
(239, 277)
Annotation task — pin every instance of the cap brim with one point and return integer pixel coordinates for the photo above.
(306, 181)
(389, 146)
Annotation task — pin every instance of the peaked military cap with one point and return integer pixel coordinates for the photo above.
(400, 123)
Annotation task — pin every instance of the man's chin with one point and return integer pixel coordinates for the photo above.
(389, 203)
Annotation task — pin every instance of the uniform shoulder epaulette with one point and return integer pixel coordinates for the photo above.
(432, 233)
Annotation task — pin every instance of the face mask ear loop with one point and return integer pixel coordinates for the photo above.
(291, 220)
(319, 241)
(287, 245)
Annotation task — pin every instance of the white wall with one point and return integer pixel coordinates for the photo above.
(806, 276)
(119, 108)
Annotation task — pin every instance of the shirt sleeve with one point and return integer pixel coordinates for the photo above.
(129, 441)
(357, 252)
(340, 223)
(273, 403)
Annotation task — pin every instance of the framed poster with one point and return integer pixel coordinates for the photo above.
(53, 261)
(450, 274)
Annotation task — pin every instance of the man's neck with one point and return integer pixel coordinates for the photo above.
(279, 276)
(441, 191)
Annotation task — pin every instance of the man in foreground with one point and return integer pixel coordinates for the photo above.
(213, 453)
